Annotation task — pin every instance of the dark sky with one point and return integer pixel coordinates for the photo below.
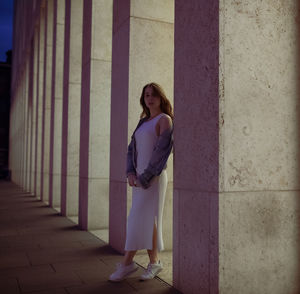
(6, 23)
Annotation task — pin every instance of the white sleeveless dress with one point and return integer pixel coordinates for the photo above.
(147, 204)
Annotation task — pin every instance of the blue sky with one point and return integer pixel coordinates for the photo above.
(6, 27)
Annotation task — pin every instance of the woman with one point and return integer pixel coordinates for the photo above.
(147, 155)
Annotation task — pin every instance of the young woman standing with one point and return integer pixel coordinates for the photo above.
(147, 155)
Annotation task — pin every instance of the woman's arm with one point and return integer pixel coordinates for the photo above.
(130, 170)
(164, 123)
(130, 166)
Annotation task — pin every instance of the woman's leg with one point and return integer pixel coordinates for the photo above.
(128, 257)
(153, 255)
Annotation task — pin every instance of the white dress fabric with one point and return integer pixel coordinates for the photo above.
(147, 204)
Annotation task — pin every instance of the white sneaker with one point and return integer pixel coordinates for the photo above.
(152, 270)
(123, 271)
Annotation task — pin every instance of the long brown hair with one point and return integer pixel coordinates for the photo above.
(165, 104)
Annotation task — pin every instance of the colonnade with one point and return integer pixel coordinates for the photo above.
(231, 216)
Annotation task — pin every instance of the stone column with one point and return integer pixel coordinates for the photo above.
(30, 115)
(39, 108)
(25, 121)
(65, 103)
(34, 110)
(21, 125)
(196, 158)
(43, 99)
(71, 111)
(142, 52)
(56, 104)
(52, 101)
(47, 99)
(95, 115)
(259, 147)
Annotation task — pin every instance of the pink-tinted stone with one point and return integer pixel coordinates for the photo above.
(196, 156)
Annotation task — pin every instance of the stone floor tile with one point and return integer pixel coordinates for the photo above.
(103, 287)
(51, 291)
(9, 286)
(95, 264)
(8, 231)
(93, 243)
(30, 241)
(145, 286)
(9, 260)
(48, 281)
(48, 256)
(92, 275)
(161, 290)
(61, 244)
(26, 271)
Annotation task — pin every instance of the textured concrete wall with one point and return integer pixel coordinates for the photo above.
(58, 93)
(65, 107)
(27, 123)
(259, 147)
(95, 115)
(33, 114)
(99, 140)
(47, 104)
(29, 187)
(71, 107)
(39, 110)
(74, 107)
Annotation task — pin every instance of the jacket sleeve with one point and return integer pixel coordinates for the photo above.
(159, 158)
(130, 166)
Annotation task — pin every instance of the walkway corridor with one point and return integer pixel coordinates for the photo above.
(43, 252)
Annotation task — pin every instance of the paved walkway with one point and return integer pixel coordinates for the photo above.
(43, 252)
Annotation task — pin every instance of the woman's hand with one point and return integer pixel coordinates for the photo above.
(132, 180)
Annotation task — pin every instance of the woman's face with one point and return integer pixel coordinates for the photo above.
(152, 101)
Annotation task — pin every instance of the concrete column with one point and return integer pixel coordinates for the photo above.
(27, 124)
(25, 121)
(39, 108)
(47, 98)
(30, 115)
(34, 107)
(56, 104)
(43, 100)
(196, 168)
(65, 106)
(259, 147)
(95, 118)
(21, 126)
(73, 50)
(52, 113)
(142, 52)
(59, 62)
(21, 99)
(11, 136)
(16, 140)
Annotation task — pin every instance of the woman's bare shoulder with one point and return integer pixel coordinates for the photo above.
(165, 122)
(165, 118)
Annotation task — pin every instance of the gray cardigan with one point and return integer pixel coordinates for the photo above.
(159, 157)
